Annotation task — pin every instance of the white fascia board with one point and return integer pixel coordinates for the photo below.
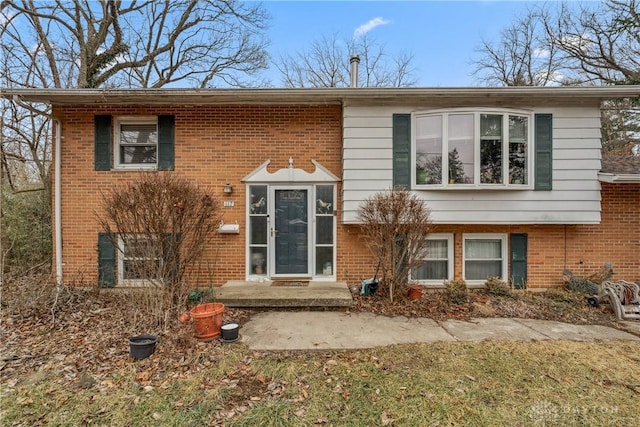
(623, 178)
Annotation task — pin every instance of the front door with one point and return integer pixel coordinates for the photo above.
(291, 232)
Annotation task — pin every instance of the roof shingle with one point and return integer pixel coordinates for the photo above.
(621, 165)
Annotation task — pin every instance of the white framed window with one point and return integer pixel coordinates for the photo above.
(139, 260)
(484, 148)
(258, 235)
(325, 229)
(136, 142)
(484, 255)
(438, 265)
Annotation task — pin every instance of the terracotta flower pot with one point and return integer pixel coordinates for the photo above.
(415, 292)
(184, 318)
(207, 320)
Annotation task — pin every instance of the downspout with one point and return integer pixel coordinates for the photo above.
(57, 202)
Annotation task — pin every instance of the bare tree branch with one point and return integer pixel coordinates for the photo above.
(603, 43)
(523, 55)
(326, 64)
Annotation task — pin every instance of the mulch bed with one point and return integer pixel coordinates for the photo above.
(559, 304)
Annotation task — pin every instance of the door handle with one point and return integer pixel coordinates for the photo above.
(274, 232)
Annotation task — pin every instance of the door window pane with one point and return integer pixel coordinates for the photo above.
(324, 261)
(258, 225)
(324, 199)
(324, 230)
(258, 259)
(258, 199)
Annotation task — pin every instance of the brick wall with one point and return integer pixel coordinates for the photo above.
(583, 249)
(214, 145)
(221, 144)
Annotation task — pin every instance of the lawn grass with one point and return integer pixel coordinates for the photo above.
(547, 383)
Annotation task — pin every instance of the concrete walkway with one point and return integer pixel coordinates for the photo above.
(323, 330)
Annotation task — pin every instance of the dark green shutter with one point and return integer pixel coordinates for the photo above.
(518, 259)
(544, 152)
(106, 261)
(102, 142)
(166, 137)
(402, 150)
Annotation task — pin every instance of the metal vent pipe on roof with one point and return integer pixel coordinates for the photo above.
(354, 60)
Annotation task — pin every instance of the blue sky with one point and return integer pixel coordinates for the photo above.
(442, 35)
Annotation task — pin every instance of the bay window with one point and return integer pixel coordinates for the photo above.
(462, 149)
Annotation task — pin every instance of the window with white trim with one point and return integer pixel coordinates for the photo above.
(478, 149)
(484, 255)
(438, 265)
(136, 142)
(258, 229)
(139, 260)
(325, 230)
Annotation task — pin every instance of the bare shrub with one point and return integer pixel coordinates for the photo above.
(457, 291)
(396, 224)
(163, 220)
(517, 308)
(497, 287)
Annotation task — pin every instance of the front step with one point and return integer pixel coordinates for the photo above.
(263, 294)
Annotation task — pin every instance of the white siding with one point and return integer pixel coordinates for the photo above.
(575, 198)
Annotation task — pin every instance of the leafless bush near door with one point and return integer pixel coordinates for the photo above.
(160, 224)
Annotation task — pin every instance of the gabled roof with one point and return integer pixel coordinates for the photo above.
(522, 95)
(620, 169)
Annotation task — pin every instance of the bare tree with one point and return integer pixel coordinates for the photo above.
(602, 46)
(326, 64)
(572, 46)
(110, 43)
(522, 56)
(142, 43)
(603, 43)
(82, 44)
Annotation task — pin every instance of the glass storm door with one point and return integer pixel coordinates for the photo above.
(291, 232)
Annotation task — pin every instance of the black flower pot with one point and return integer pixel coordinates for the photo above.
(142, 346)
(230, 332)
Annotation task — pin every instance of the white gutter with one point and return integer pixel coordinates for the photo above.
(57, 203)
(619, 178)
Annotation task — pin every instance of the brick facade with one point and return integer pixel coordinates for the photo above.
(214, 145)
(222, 144)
